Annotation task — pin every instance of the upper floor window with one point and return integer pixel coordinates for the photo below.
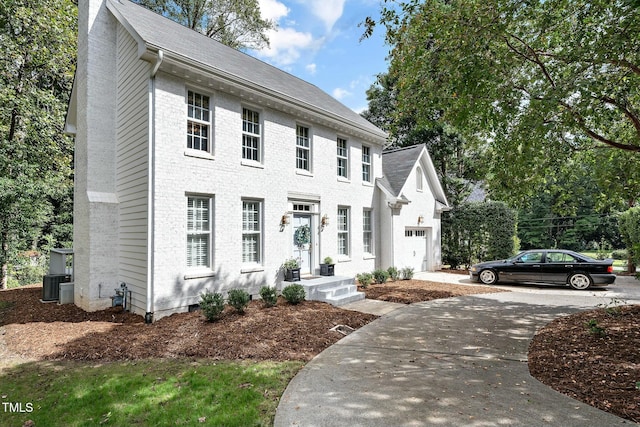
(343, 157)
(366, 163)
(303, 148)
(419, 178)
(198, 121)
(198, 231)
(250, 135)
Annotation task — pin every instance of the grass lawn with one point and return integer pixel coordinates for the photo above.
(144, 393)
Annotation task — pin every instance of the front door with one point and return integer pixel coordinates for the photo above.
(303, 241)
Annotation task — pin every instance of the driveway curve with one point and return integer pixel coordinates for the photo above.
(450, 362)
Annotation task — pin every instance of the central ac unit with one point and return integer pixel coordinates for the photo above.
(51, 286)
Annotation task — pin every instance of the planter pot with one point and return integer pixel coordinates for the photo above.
(327, 269)
(292, 275)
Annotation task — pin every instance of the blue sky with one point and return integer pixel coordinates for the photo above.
(318, 41)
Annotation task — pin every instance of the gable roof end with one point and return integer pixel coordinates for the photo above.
(193, 51)
(398, 164)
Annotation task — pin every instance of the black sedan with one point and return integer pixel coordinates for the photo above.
(554, 266)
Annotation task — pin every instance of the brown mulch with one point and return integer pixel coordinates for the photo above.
(594, 357)
(602, 370)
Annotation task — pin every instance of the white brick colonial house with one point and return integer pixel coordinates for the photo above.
(195, 164)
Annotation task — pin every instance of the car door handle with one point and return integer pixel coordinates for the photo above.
(536, 265)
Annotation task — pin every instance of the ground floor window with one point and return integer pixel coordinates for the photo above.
(367, 232)
(198, 231)
(343, 231)
(251, 232)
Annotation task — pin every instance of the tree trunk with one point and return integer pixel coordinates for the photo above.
(4, 258)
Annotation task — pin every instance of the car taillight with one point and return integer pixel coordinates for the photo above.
(610, 269)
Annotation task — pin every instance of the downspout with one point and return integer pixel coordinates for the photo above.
(151, 189)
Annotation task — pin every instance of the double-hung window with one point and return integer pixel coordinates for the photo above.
(251, 232)
(198, 231)
(343, 158)
(366, 163)
(303, 148)
(250, 135)
(198, 121)
(343, 231)
(367, 232)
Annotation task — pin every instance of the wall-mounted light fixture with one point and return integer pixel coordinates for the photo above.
(284, 220)
(324, 221)
(420, 219)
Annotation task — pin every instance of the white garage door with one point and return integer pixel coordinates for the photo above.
(417, 248)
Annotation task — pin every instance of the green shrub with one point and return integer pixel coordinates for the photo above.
(238, 299)
(620, 254)
(407, 273)
(294, 294)
(365, 279)
(269, 296)
(394, 274)
(381, 276)
(211, 305)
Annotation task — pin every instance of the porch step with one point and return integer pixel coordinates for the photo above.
(335, 290)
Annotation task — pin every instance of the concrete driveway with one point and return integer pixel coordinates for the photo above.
(452, 362)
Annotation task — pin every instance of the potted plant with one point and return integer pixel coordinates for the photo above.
(327, 267)
(291, 270)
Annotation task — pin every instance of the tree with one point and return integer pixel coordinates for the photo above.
(630, 230)
(455, 161)
(535, 79)
(36, 75)
(236, 23)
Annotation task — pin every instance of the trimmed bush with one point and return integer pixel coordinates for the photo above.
(620, 254)
(381, 276)
(365, 279)
(238, 299)
(407, 273)
(294, 294)
(211, 305)
(269, 296)
(394, 274)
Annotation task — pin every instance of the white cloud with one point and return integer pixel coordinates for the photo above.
(311, 68)
(286, 45)
(339, 93)
(272, 9)
(329, 11)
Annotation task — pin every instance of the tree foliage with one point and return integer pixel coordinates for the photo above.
(235, 23)
(630, 231)
(455, 160)
(36, 73)
(535, 79)
(478, 232)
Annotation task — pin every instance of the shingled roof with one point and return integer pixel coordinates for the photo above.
(397, 165)
(154, 32)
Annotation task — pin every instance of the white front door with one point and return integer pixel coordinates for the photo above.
(303, 241)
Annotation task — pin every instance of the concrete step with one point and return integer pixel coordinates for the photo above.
(336, 290)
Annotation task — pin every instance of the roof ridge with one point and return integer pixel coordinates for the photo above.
(410, 147)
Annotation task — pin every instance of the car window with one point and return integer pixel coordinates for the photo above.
(531, 257)
(560, 257)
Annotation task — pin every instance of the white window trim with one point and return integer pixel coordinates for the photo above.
(196, 152)
(419, 180)
(371, 253)
(260, 136)
(347, 232)
(208, 233)
(254, 265)
(369, 163)
(309, 149)
(344, 158)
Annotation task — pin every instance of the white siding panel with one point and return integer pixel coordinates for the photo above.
(132, 169)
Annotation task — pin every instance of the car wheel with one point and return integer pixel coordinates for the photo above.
(488, 277)
(580, 281)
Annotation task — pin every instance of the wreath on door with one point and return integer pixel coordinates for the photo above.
(302, 236)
